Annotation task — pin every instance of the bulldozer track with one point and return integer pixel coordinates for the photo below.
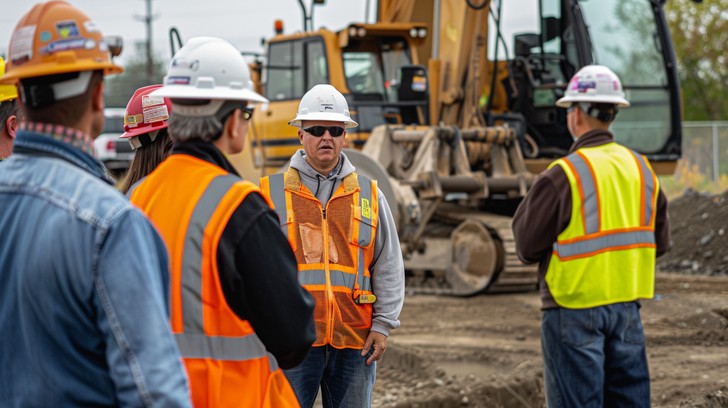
(512, 275)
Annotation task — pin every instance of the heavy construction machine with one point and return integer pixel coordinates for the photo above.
(455, 123)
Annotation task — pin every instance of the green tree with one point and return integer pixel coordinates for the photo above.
(700, 35)
(120, 88)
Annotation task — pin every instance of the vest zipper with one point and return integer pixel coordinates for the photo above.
(327, 270)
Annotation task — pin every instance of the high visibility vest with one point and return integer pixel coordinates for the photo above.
(334, 247)
(191, 201)
(607, 252)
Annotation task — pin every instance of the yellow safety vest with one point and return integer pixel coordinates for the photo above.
(607, 252)
(334, 247)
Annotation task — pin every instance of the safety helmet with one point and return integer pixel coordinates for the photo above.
(56, 38)
(145, 114)
(594, 84)
(208, 68)
(7, 92)
(323, 102)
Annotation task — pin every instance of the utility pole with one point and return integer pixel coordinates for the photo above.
(147, 19)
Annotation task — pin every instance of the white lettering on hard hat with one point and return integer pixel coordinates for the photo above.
(184, 63)
(90, 27)
(21, 47)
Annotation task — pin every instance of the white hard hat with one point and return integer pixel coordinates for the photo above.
(208, 68)
(594, 84)
(323, 102)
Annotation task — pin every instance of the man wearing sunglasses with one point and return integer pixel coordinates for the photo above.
(238, 311)
(346, 244)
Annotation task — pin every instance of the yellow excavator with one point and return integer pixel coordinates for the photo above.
(455, 123)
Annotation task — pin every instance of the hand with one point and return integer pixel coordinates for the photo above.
(379, 342)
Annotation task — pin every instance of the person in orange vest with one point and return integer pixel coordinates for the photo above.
(84, 311)
(145, 127)
(594, 221)
(343, 234)
(10, 115)
(239, 314)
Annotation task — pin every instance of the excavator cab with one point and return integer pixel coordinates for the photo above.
(630, 37)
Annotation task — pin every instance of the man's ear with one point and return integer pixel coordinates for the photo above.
(98, 97)
(230, 128)
(300, 135)
(12, 125)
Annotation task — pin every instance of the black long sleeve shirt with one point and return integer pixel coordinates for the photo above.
(258, 271)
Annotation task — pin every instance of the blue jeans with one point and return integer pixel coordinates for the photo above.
(345, 380)
(595, 357)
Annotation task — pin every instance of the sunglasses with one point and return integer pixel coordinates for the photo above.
(246, 113)
(319, 131)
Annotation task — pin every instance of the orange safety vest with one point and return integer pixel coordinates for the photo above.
(191, 201)
(606, 254)
(334, 247)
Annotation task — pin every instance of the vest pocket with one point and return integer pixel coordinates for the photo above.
(363, 228)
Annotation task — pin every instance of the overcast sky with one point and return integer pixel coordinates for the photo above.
(242, 22)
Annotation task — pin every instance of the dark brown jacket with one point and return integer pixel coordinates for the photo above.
(546, 211)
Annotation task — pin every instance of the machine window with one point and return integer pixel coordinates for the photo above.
(285, 73)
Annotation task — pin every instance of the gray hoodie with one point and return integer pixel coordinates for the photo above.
(387, 267)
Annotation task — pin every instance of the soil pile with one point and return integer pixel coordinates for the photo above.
(699, 227)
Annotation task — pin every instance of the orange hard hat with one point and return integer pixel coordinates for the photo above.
(145, 113)
(56, 38)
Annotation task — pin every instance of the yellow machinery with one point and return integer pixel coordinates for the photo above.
(455, 125)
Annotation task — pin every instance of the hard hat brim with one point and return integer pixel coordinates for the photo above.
(217, 93)
(18, 74)
(566, 101)
(333, 117)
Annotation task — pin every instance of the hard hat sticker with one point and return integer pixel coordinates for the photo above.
(45, 36)
(21, 45)
(133, 120)
(177, 80)
(155, 114)
(325, 107)
(66, 45)
(148, 100)
(582, 85)
(67, 28)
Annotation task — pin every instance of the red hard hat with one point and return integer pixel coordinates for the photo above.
(145, 113)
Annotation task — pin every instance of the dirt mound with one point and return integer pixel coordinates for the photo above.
(699, 227)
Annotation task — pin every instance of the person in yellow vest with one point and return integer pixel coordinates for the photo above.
(594, 221)
(343, 234)
(10, 115)
(239, 314)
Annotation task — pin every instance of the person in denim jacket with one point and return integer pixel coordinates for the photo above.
(83, 274)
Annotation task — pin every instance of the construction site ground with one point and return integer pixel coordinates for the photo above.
(485, 351)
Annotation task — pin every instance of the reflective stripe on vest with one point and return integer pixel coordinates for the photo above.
(365, 230)
(193, 342)
(593, 242)
(338, 278)
(278, 197)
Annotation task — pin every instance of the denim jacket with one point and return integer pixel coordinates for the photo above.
(83, 287)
